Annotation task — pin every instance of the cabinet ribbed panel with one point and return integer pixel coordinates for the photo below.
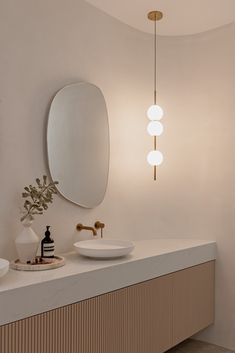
(193, 300)
(135, 319)
(149, 317)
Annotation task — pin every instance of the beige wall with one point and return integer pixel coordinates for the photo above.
(45, 45)
(198, 80)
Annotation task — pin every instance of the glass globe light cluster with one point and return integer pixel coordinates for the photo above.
(155, 128)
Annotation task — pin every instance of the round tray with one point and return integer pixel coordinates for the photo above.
(46, 264)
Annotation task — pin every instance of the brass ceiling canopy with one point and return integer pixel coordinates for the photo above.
(155, 15)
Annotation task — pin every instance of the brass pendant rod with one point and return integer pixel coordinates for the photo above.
(155, 16)
(155, 90)
(155, 62)
(155, 148)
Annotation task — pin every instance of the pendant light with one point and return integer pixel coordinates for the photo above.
(155, 112)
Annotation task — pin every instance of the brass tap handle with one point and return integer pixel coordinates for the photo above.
(99, 225)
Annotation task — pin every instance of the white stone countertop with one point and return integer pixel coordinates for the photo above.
(23, 294)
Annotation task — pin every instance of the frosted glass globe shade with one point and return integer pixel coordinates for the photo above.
(155, 158)
(155, 112)
(155, 128)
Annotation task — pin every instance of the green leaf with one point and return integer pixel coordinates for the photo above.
(25, 194)
(39, 197)
(39, 183)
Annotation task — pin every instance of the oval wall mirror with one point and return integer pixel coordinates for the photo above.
(78, 143)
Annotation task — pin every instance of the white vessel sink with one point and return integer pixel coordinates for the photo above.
(4, 267)
(104, 248)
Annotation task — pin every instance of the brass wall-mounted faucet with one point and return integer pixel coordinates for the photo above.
(80, 227)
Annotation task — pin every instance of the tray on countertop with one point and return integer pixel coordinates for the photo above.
(40, 265)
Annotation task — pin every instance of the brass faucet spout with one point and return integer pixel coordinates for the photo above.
(80, 227)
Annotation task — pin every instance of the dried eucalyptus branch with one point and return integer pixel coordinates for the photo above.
(38, 198)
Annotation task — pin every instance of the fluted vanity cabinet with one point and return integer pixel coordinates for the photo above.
(192, 300)
(149, 317)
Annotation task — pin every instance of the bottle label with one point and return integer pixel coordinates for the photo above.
(48, 250)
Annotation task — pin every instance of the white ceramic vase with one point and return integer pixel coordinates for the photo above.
(27, 243)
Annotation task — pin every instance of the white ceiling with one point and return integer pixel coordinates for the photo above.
(181, 17)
